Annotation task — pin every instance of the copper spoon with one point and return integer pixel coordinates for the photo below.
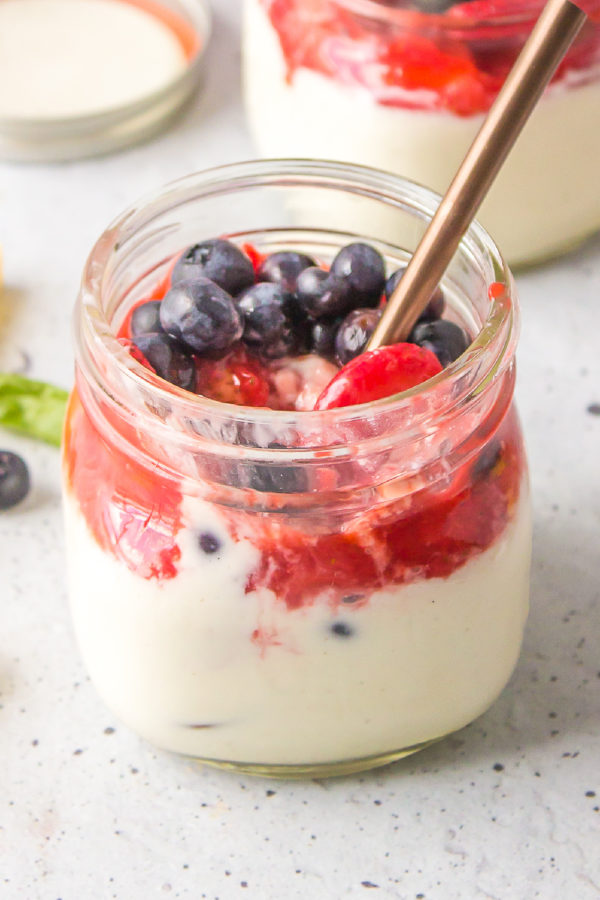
(555, 30)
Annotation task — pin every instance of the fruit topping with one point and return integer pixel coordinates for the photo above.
(279, 340)
(488, 461)
(274, 479)
(201, 315)
(254, 255)
(14, 479)
(266, 311)
(145, 319)
(435, 307)
(236, 378)
(363, 269)
(433, 6)
(342, 629)
(209, 542)
(447, 340)
(354, 333)
(168, 359)
(283, 268)
(437, 535)
(322, 336)
(320, 293)
(219, 260)
(379, 373)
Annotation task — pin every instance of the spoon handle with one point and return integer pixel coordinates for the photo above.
(552, 35)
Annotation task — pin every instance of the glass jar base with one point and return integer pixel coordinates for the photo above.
(319, 770)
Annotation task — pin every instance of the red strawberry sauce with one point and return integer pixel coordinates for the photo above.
(431, 542)
(134, 514)
(460, 65)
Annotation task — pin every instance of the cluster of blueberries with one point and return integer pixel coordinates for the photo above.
(289, 306)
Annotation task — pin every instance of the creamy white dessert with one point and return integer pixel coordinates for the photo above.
(546, 197)
(82, 57)
(197, 665)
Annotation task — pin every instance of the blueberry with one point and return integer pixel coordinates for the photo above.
(209, 542)
(145, 319)
(342, 629)
(168, 359)
(265, 478)
(219, 260)
(363, 268)
(443, 338)
(487, 460)
(283, 268)
(266, 311)
(354, 333)
(433, 6)
(322, 294)
(202, 315)
(323, 334)
(434, 308)
(277, 479)
(14, 479)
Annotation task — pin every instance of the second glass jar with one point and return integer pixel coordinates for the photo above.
(405, 90)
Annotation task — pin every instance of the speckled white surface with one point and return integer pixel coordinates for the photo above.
(506, 809)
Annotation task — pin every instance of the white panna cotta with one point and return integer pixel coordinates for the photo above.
(546, 198)
(197, 665)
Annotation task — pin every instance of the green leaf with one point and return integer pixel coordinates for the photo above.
(32, 407)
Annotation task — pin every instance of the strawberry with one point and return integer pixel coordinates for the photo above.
(254, 255)
(379, 373)
(236, 378)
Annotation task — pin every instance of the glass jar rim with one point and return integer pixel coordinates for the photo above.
(415, 18)
(100, 354)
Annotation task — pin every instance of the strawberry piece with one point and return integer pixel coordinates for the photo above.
(379, 373)
(448, 70)
(236, 378)
(254, 255)
(416, 62)
(466, 95)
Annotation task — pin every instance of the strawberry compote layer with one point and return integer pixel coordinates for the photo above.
(405, 91)
(455, 61)
(265, 616)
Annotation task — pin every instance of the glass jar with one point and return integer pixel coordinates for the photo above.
(391, 86)
(294, 592)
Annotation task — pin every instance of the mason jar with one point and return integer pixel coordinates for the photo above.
(404, 89)
(283, 592)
